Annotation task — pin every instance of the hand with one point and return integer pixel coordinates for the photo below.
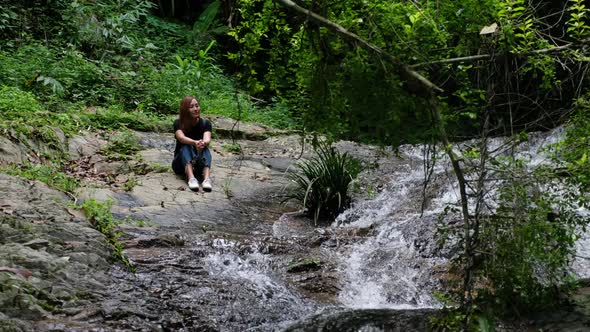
(200, 145)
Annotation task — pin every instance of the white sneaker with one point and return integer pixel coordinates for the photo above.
(207, 185)
(193, 184)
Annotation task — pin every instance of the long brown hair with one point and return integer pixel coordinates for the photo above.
(185, 116)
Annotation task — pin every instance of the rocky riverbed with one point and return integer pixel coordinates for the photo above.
(235, 259)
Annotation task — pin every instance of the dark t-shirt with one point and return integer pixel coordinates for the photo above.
(195, 133)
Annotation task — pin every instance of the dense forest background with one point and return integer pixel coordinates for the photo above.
(499, 68)
(276, 65)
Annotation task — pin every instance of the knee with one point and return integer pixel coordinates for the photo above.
(185, 148)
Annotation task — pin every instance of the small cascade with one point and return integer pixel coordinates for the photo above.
(394, 268)
(581, 263)
(259, 298)
(401, 266)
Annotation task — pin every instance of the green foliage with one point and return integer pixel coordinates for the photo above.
(122, 146)
(208, 24)
(234, 147)
(342, 90)
(114, 117)
(578, 22)
(524, 245)
(572, 153)
(15, 103)
(528, 243)
(322, 182)
(104, 27)
(118, 58)
(8, 18)
(185, 77)
(101, 218)
(137, 222)
(263, 33)
(49, 174)
(447, 320)
(130, 184)
(26, 120)
(276, 115)
(217, 94)
(517, 25)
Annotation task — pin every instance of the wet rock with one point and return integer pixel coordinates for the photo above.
(19, 272)
(303, 265)
(354, 232)
(163, 240)
(19, 298)
(318, 285)
(293, 224)
(14, 325)
(37, 244)
(115, 310)
(366, 320)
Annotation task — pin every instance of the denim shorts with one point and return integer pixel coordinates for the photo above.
(189, 153)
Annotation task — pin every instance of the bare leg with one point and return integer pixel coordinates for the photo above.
(188, 169)
(206, 173)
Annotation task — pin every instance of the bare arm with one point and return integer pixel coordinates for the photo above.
(207, 137)
(181, 137)
(200, 144)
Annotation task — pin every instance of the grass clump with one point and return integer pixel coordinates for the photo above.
(322, 182)
(122, 146)
(101, 218)
(49, 174)
(233, 147)
(115, 117)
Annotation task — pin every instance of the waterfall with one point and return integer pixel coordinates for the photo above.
(401, 266)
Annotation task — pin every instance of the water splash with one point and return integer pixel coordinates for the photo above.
(260, 294)
(389, 270)
(394, 268)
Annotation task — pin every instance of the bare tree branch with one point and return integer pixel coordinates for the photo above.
(488, 56)
(338, 29)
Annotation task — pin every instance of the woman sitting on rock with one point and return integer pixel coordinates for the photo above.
(191, 155)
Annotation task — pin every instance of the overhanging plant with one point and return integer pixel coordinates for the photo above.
(321, 183)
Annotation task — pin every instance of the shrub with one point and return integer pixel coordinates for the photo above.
(19, 68)
(15, 103)
(114, 117)
(322, 182)
(81, 79)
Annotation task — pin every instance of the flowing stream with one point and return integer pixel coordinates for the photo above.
(400, 266)
(380, 266)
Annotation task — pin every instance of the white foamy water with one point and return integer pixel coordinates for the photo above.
(391, 276)
(394, 268)
(252, 271)
(386, 270)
